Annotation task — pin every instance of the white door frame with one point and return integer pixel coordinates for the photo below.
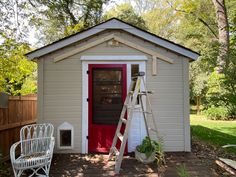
(130, 60)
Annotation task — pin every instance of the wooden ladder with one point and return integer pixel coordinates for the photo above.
(134, 95)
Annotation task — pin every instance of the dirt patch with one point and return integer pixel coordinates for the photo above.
(208, 154)
(5, 169)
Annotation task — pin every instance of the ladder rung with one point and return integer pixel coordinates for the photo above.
(116, 151)
(145, 92)
(124, 120)
(141, 73)
(137, 106)
(134, 107)
(146, 112)
(120, 136)
(152, 129)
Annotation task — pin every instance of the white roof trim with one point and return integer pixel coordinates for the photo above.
(114, 57)
(163, 43)
(63, 43)
(142, 34)
(113, 24)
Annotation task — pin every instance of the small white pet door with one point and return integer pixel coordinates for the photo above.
(65, 136)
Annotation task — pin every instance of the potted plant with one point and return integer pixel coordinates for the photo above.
(149, 151)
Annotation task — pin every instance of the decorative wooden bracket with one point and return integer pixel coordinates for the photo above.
(123, 41)
(154, 65)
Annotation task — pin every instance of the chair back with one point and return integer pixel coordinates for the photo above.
(36, 131)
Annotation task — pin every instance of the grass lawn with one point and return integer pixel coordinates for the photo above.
(217, 133)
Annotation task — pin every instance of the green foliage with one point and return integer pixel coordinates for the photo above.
(125, 12)
(73, 29)
(149, 146)
(216, 113)
(161, 20)
(222, 88)
(29, 85)
(198, 80)
(57, 19)
(182, 171)
(15, 69)
(215, 88)
(14, 19)
(159, 154)
(229, 83)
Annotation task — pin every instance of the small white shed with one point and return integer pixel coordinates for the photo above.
(83, 81)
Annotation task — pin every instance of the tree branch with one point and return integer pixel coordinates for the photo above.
(198, 18)
(67, 10)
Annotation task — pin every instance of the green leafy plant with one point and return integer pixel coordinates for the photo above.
(182, 171)
(159, 155)
(149, 146)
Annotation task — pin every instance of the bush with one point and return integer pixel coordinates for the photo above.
(216, 113)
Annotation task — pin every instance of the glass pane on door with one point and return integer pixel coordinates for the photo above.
(107, 95)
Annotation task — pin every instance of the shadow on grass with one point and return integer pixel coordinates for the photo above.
(214, 137)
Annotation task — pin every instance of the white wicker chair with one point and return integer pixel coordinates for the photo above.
(36, 149)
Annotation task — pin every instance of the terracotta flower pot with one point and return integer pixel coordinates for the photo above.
(142, 157)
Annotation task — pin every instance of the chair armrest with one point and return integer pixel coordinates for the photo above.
(13, 151)
(52, 143)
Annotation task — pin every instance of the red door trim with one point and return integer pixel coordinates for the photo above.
(90, 94)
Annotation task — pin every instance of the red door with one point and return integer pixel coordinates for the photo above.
(107, 92)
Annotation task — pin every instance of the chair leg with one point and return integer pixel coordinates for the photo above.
(46, 169)
(17, 173)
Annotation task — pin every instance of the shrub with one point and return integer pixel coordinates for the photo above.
(216, 113)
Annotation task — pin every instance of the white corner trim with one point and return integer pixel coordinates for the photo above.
(40, 105)
(186, 119)
(84, 108)
(113, 57)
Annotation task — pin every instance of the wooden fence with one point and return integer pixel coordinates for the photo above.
(21, 111)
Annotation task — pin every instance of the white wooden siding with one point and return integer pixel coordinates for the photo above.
(167, 102)
(62, 96)
(60, 90)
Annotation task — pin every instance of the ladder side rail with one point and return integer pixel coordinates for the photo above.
(144, 115)
(150, 107)
(124, 109)
(123, 144)
(118, 128)
(125, 135)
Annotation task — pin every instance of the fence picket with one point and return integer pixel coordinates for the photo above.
(22, 110)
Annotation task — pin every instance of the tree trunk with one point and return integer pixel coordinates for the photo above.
(223, 29)
(198, 102)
